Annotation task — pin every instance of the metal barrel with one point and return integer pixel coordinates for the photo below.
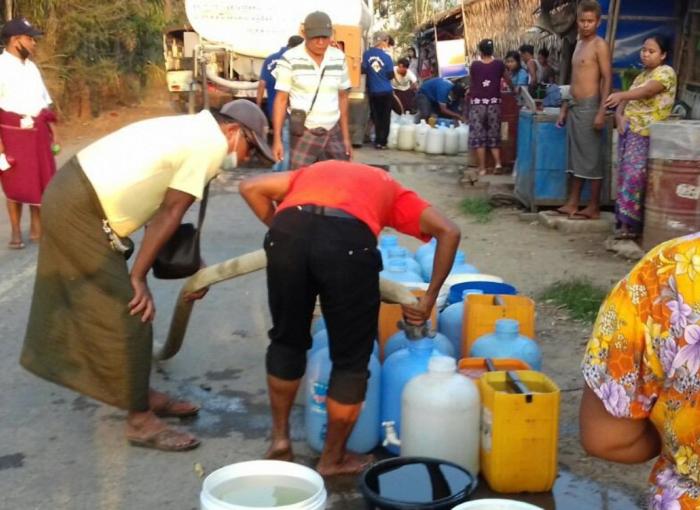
(672, 205)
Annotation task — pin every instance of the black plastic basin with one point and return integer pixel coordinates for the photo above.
(416, 483)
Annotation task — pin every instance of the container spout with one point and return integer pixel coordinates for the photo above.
(390, 436)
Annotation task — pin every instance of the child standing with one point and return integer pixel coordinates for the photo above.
(518, 75)
(585, 116)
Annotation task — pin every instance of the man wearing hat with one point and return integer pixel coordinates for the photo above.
(379, 68)
(90, 319)
(313, 82)
(26, 161)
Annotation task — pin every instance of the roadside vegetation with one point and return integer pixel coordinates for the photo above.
(579, 297)
(96, 54)
(478, 208)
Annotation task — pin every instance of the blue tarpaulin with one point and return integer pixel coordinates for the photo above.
(633, 29)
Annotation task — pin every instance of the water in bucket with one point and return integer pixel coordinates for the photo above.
(265, 491)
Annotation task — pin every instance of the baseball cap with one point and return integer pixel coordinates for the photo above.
(247, 114)
(318, 24)
(20, 26)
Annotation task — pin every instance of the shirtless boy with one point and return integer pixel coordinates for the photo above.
(585, 116)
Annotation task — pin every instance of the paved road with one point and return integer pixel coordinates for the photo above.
(60, 451)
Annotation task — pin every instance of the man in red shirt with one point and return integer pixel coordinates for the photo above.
(324, 220)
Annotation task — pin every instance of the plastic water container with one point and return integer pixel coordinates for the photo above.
(387, 242)
(400, 253)
(440, 412)
(426, 249)
(435, 143)
(397, 371)
(451, 141)
(519, 431)
(408, 118)
(422, 130)
(397, 270)
(426, 263)
(450, 322)
(460, 265)
(318, 324)
(474, 368)
(320, 341)
(407, 137)
(482, 312)
(393, 140)
(265, 485)
(463, 137)
(506, 342)
(398, 341)
(365, 435)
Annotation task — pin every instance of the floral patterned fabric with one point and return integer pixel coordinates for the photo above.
(642, 112)
(633, 150)
(643, 361)
(484, 125)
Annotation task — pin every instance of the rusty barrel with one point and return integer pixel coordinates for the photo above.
(672, 205)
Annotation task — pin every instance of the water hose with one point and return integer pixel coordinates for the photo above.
(391, 292)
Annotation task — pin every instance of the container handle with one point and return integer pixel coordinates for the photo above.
(490, 367)
(518, 385)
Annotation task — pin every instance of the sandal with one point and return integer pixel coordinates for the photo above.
(15, 245)
(176, 409)
(167, 440)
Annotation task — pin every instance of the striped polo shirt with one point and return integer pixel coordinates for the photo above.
(298, 74)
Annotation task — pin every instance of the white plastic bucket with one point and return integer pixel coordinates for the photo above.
(496, 504)
(217, 482)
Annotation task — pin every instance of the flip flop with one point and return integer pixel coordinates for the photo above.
(15, 245)
(170, 409)
(167, 440)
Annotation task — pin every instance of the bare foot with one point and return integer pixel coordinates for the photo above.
(351, 464)
(280, 450)
(15, 244)
(589, 213)
(567, 209)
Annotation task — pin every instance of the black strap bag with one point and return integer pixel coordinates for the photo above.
(180, 256)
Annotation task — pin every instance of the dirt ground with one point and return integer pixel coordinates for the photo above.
(523, 253)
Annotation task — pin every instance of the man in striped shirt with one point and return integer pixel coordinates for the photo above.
(313, 78)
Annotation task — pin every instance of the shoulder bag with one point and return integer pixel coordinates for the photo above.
(180, 256)
(297, 116)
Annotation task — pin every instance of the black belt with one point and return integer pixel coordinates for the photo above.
(322, 210)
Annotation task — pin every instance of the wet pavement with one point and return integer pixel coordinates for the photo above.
(60, 451)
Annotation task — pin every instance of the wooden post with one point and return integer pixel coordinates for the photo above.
(8, 10)
(613, 18)
(464, 32)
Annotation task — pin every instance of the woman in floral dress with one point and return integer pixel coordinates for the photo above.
(650, 99)
(642, 373)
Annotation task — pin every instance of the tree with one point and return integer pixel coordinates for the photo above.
(410, 14)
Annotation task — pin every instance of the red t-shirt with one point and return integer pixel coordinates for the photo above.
(370, 194)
